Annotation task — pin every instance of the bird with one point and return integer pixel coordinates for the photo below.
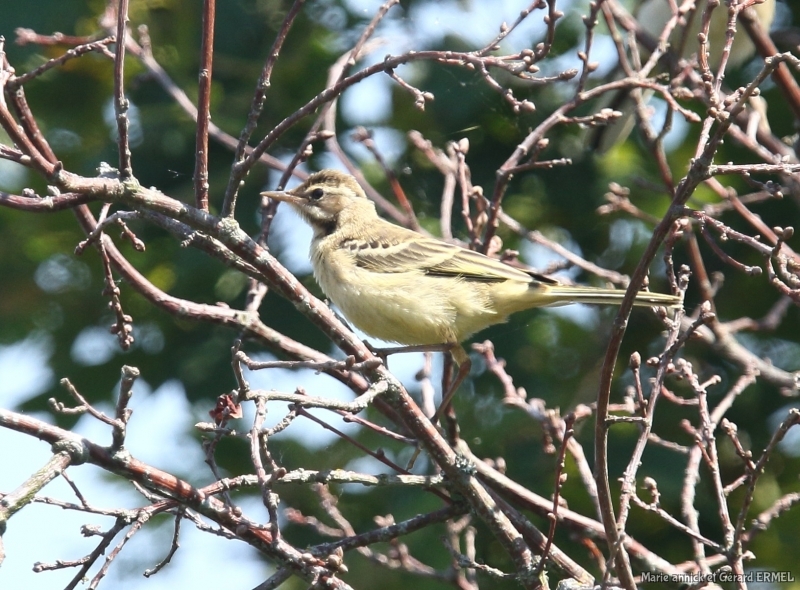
(400, 286)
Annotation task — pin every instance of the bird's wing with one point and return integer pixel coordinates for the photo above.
(406, 251)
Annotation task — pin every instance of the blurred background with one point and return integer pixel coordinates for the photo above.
(54, 319)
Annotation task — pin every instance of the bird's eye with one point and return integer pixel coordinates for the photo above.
(316, 194)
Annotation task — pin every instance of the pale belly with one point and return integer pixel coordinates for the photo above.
(408, 308)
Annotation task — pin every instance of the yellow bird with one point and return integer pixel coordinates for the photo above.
(400, 286)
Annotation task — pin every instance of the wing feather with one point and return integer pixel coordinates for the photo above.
(398, 254)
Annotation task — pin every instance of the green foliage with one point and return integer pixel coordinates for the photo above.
(551, 356)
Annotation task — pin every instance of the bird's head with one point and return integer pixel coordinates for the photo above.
(327, 199)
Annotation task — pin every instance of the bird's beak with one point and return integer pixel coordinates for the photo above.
(283, 196)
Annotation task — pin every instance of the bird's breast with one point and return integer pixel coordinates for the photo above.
(407, 306)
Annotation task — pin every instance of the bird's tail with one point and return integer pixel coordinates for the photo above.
(563, 294)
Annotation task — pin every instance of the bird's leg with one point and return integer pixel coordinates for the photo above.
(381, 353)
(410, 348)
(464, 366)
(459, 355)
(384, 352)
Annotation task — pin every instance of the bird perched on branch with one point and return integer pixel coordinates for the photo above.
(400, 286)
